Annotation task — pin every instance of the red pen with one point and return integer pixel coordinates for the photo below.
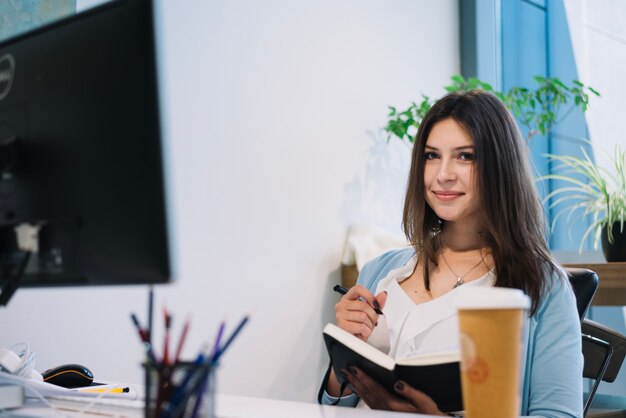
(181, 341)
(143, 335)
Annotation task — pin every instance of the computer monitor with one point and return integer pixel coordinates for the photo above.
(81, 155)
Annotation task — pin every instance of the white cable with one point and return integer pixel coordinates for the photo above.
(20, 362)
(27, 360)
(26, 386)
(9, 361)
(93, 402)
(22, 366)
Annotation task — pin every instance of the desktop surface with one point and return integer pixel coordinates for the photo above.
(227, 406)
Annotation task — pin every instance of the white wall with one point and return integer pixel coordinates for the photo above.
(598, 30)
(273, 115)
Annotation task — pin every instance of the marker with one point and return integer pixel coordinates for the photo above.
(342, 290)
(105, 390)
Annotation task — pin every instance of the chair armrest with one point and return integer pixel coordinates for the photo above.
(594, 354)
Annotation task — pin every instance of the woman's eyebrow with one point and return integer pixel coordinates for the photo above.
(463, 147)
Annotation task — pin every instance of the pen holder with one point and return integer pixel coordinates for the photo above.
(182, 390)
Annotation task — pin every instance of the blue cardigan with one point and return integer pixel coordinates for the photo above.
(552, 361)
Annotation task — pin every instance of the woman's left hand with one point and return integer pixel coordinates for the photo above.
(375, 396)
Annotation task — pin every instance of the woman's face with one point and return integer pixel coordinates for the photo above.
(449, 181)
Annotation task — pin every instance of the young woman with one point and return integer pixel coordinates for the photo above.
(473, 218)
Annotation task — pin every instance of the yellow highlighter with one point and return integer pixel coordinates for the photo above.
(105, 390)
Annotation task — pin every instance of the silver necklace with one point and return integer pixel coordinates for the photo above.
(459, 278)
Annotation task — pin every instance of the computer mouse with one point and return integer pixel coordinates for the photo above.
(68, 376)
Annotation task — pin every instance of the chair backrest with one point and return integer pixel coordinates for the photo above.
(584, 283)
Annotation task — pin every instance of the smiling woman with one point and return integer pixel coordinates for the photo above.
(474, 219)
(449, 172)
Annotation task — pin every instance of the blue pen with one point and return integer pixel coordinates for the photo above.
(179, 396)
(230, 339)
(150, 309)
(197, 378)
(211, 361)
(203, 387)
(218, 340)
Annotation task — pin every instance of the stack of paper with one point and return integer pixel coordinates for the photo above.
(11, 396)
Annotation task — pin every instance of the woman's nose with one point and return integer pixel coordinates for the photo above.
(446, 171)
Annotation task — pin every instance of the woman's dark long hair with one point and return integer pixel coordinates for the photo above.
(512, 219)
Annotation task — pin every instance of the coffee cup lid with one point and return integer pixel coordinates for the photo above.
(492, 298)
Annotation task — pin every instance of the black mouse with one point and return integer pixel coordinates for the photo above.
(69, 376)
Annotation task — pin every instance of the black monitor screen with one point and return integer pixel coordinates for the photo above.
(80, 150)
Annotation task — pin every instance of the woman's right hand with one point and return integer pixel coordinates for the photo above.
(355, 311)
(355, 314)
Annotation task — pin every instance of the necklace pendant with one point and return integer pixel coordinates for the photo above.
(459, 279)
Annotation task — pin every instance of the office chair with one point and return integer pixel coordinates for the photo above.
(603, 349)
(584, 283)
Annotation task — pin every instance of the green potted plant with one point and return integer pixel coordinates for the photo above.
(595, 191)
(536, 109)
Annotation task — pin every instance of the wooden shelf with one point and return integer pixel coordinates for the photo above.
(349, 274)
(612, 287)
(611, 291)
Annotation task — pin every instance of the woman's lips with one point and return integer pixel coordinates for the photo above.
(447, 196)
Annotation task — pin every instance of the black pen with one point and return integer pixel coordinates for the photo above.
(342, 290)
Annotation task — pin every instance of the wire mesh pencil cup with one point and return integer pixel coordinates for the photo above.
(184, 390)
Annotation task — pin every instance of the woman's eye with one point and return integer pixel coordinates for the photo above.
(431, 155)
(466, 156)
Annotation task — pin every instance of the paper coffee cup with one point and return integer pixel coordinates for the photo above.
(490, 325)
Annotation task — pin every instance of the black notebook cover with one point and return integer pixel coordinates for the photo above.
(437, 375)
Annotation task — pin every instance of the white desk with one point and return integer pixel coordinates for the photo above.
(229, 406)
(243, 407)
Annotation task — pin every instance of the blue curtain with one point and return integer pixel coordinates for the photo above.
(507, 43)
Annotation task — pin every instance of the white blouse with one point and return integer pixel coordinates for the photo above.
(407, 329)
